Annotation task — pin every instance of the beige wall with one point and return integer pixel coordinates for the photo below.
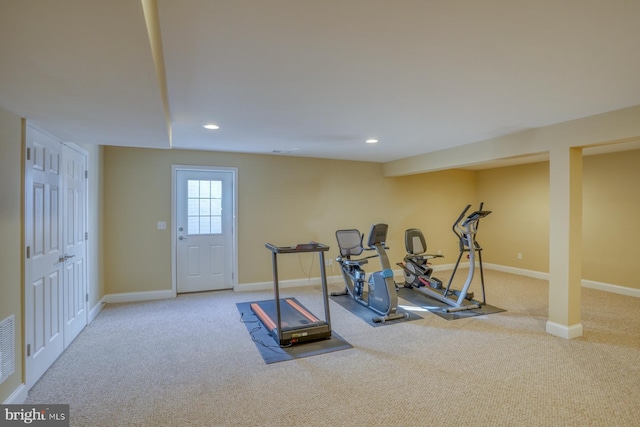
(282, 200)
(518, 197)
(432, 202)
(11, 236)
(285, 200)
(611, 204)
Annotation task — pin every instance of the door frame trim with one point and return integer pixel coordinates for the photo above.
(234, 250)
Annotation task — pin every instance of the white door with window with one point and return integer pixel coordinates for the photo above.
(55, 265)
(204, 227)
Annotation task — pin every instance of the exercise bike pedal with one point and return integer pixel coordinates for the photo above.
(435, 283)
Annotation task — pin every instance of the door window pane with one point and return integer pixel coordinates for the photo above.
(193, 188)
(204, 206)
(216, 206)
(216, 224)
(193, 207)
(205, 189)
(193, 226)
(205, 225)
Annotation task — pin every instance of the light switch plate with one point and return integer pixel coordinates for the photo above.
(162, 225)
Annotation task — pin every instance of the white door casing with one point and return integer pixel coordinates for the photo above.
(55, 265)
(203, 226)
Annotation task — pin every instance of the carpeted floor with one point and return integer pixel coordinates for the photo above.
(190, 361)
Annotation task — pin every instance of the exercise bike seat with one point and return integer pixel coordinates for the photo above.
(350, 244)
(416, 245)
(414, 241)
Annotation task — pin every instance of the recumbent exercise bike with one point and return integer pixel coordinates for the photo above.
(379, 293)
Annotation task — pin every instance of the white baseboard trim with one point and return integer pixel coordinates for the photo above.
(563, 331)
(519, 271)
(138, 296)
(18, 396)
(95, 310)
(337, 279)
(291, 283)
(607, 287)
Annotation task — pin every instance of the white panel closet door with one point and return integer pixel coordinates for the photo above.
(55, 265)
(45, 254)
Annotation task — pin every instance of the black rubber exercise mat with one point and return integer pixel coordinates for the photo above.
(435, 306)
(366, 314)
(269, 349)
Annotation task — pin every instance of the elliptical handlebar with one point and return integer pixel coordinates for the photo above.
(466, 227)
(456, 224)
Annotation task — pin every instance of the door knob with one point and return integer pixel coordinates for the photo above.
(182, 238)
(63, 258)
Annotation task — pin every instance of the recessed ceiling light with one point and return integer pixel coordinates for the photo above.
(211, 126)
(371, 141)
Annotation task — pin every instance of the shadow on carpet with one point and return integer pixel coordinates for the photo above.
(367, 314)
(269, 349)
(434, 306)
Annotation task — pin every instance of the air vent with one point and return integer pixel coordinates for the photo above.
(7, 354)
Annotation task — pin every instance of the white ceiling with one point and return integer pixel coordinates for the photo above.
(316, 78)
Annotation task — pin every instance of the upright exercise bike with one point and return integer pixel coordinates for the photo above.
(418, 272)
(379, 293)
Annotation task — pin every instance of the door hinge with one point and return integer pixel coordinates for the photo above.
(86, 235)
(28, 153)
(28, 350)
(86, 297)
(86, 174)
(28, 252)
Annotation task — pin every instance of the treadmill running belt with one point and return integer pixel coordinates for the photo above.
(297, 324)
(292, 314)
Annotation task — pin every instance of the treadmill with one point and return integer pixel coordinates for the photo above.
(288, 321)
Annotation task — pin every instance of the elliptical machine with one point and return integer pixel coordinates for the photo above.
(379, 293)
(418, 273)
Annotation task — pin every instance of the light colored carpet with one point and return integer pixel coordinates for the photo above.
(191, 362)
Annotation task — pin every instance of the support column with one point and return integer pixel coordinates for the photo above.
(565, 242)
